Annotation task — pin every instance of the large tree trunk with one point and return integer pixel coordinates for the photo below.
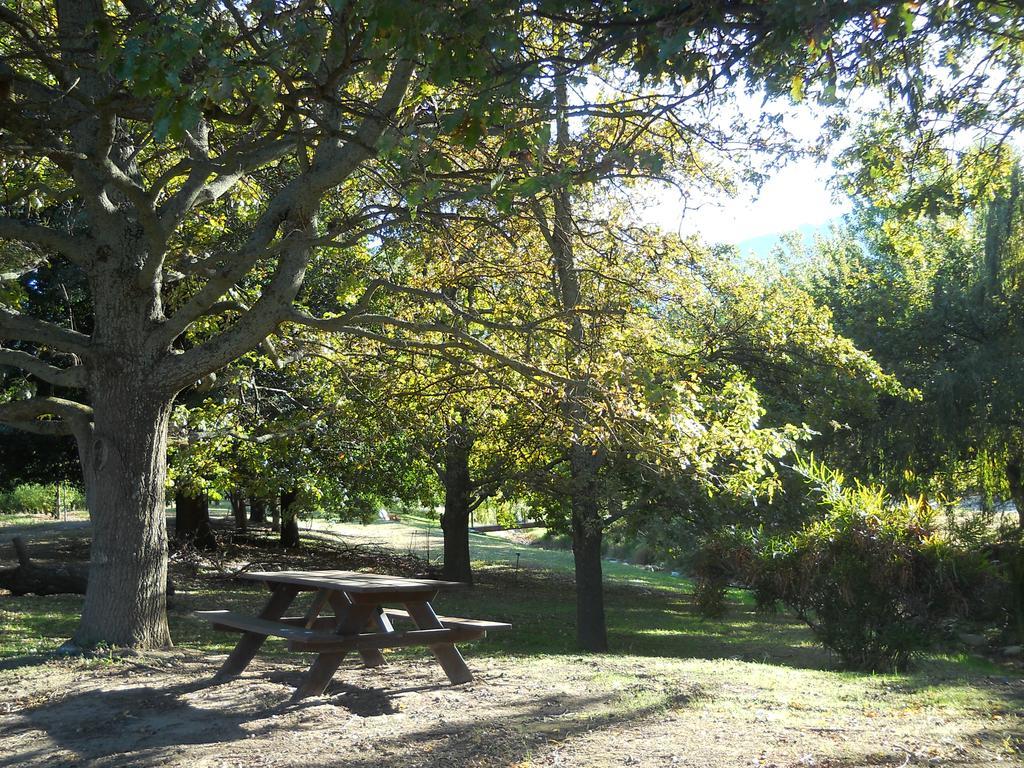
(457, 493)
(289, 520)
(125, 468)
(192, 521)
(587, 533)
(1015, 479)
(257, 510)
(238, 510)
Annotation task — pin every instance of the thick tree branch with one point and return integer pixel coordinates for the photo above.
(48, 416)
(60, 377)
(141, 201)
(18, 272)
(14, 325)
(253, 327)
(45, 237)
(335, 160)
(227, 170)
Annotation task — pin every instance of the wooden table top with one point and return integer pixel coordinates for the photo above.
(351, 581)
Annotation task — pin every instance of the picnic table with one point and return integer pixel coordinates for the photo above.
(361, 621)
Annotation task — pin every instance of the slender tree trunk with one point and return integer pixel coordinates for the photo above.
(587, 524)
(275, 515)
(125, 468)
(257, 510)
(192, 521)
(1015, 479)
(587, 534)
(289, 520)
(238, 510)
(457, 490)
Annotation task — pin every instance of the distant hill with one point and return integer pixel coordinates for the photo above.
(761, 247)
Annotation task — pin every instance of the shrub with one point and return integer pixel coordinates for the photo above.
(709, 597)
(38, 499)
(722, 558)
(999, 603)
(553, 540)
(872, 578)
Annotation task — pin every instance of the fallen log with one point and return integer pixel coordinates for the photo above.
(31, 578)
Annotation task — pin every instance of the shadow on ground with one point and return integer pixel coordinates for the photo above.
(118, 719)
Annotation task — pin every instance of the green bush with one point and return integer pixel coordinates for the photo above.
(873, 578)
(38, 499)
(723, 557)
(709, 597)
(553, 540)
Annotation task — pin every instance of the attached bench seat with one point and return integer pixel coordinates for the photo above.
(449, 621)
(301, 638)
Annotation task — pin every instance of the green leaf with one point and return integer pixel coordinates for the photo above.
(796, 88)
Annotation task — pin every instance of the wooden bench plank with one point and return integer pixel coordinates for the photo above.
(451, 621)
(303, 639)
(327, 642)
(235, 622)
(322, 623)
(238, 622)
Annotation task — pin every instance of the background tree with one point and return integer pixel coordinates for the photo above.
(934, 293)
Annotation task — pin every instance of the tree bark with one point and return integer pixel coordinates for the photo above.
(125, 468)
(238, 510)
(458, 488)
(289, 520)
(192, 521)
(257, 510)
(1015, 480)
(587, 534)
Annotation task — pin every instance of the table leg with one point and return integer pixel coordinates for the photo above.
(447, 654)
(352, 621)
(372, 657)
(319, 601)
(249, 643)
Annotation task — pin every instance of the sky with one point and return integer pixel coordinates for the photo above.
(795, 198)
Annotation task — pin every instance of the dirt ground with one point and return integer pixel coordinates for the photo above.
(162, 709)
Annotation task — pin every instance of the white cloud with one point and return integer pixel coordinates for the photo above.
(797, 195)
